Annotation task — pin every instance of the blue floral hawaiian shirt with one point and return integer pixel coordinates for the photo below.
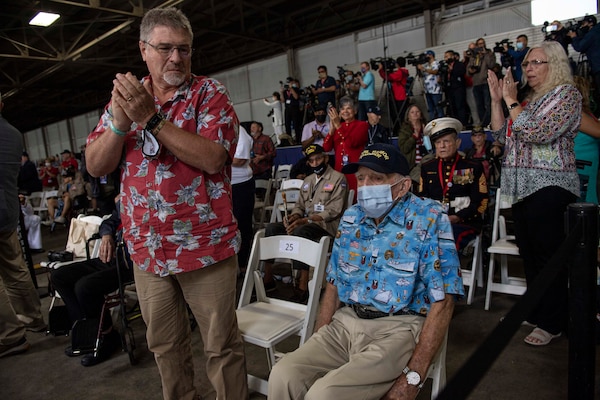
(406, 262)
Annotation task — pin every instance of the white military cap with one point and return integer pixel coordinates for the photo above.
(441, 127)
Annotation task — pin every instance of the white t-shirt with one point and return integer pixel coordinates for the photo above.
(244, 146)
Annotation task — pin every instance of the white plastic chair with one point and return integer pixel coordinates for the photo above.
(474, 276)
(268, 321)
(437, 369)
(262, 205)
(502, 245)
(291, 187)
(282, 173)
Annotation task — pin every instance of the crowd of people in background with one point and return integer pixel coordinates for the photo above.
(523, 119)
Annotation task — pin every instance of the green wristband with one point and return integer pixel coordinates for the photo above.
(117, 130)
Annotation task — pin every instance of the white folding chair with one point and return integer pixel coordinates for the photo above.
(268, 321)
(474, 276)
(350, 198)
(283, 172)
(437, 369)
(502, 245)
(291, 188)
(262, 205)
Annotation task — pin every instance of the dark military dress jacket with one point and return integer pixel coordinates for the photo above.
(459, 184)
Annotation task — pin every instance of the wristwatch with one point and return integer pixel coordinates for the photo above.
(309, 221)
(412, 377)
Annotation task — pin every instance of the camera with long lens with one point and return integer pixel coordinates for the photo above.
(575, 26)
(503, 45)
(416, 60)
(389, 64)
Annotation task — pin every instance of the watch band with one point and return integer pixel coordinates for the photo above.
(408, 371)
(154, 122)
(513, 105)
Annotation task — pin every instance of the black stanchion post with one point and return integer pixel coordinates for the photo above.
(582, 302)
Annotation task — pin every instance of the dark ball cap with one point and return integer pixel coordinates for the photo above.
(313, 149)
(66, 151)
(590, 19)
(375, 110)
(380, 157)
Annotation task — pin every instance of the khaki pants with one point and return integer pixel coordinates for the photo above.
(18, 296)
(351, 358)
(210, 293)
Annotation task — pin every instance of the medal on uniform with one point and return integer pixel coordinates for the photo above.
(344, 159)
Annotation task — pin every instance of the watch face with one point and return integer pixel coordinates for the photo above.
(413, 378)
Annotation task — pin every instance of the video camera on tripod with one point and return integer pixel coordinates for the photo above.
(389, 64)
(419, 59)
(502, 47)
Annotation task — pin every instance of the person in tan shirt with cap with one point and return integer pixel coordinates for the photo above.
(317, 213)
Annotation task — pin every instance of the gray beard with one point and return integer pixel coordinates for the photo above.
(174, 78)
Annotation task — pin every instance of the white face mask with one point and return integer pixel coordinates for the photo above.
(376, 200)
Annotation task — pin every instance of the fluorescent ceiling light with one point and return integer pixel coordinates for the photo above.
(44, 19)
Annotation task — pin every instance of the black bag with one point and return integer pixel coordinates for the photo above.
(58, 321)
(84, 334)
(60, 256)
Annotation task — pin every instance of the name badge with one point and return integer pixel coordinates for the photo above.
(288, 101)
(319, 207)
(289, 246)
(349, 219)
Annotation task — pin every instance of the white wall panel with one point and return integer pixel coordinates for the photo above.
(34, 145)
(58, 138)
(82, 125)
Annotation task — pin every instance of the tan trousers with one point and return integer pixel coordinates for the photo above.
(351, 358)
(210, 293)
(17, 293)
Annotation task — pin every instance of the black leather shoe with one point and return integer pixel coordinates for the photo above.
(108, 345)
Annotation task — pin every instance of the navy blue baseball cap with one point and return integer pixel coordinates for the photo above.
(380, 157)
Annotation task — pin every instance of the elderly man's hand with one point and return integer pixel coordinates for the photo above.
(401, 390)
(107, 248)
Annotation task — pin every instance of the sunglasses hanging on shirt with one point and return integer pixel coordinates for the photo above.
(150, 147)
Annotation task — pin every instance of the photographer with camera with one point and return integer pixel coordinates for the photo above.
(455, 87)
(558, 33)
(348, 84)
(366, 91)
(291, 98)
(513, 56)
(397, 79)
(325, 87)
(586, 40)
(433, 89)
(482, 60)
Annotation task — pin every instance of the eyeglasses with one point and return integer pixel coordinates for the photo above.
(524, 64)
(166, 50)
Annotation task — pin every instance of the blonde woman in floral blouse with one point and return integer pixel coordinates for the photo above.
(539, 177)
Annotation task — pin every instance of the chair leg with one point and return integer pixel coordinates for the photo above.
(490, 282)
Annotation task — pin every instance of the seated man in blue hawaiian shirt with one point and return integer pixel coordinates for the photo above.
(393, 279)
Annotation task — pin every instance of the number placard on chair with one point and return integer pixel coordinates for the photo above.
(289, 246)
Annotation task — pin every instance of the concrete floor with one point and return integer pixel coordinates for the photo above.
(44, 372)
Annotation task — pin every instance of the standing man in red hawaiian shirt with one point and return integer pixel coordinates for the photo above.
(175, 135)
